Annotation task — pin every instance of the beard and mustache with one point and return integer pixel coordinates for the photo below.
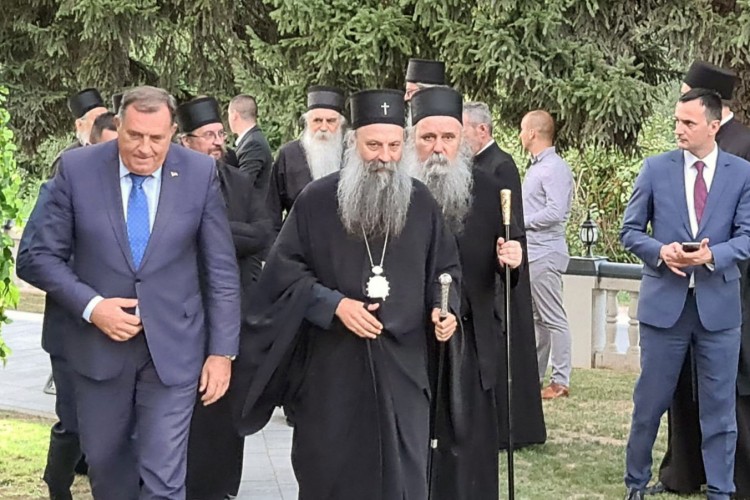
(323, 151)
(373, 196)
(450, 182)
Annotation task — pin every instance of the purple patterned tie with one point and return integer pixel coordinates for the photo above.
(700, 192)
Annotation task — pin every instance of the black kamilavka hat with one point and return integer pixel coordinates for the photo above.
(707, 76)
(377, 106)
(84, 101)
(320, 96)
(425, 71)
(437, 101)
(194, 114)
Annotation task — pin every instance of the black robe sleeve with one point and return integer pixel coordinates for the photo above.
(272, 329)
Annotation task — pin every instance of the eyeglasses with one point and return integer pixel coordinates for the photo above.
(210, 135)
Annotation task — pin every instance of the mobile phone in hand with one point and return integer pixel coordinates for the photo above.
(690, 246)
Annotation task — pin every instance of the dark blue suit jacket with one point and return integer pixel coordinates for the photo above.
(659, 200)
(183, 311)
(56, 319)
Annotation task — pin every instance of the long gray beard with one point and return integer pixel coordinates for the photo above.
(323, 151)
(376, 202)
(450, 183)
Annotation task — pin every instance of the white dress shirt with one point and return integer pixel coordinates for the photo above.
(492, 141)
(691, 173)
(152, 190)
(242, 135)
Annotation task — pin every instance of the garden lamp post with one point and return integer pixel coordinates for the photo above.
(589, 234)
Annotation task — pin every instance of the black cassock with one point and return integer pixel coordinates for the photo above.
(682, 469)
(215, 449)
(289, 176)
(466, 464)
(361, 406)
(528, 417)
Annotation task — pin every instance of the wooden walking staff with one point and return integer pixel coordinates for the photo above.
(445, 286)
(505, 207)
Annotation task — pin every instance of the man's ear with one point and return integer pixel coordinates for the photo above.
(79, 124)
(117, 121)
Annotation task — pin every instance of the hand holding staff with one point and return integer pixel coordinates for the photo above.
(442, 319)
(505, 207)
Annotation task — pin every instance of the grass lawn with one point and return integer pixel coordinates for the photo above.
(23, 452)
(582, 459)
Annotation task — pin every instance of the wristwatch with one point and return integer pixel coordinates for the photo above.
(230, 358)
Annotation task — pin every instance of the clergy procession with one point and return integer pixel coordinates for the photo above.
(388, 278)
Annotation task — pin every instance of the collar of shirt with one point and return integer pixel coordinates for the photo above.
(709, 160)
(242, 135)
(726, 119)
(151, 187)
(124, 172)
(543, 154)
(492, 141)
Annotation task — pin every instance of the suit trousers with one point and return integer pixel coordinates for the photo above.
(133, 429)
(550, 320)
(663, 352)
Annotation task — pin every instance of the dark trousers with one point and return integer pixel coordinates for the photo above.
(64, 448)
(681, 469)
(134, 429)
(663, 352)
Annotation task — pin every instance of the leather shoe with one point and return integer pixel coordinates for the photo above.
(634, 494)
(658, 489)
(555, 390)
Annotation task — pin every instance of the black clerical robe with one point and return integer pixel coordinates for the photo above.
(289, 176)
(361, 406)
(528, 418)
(215, 448)
(682, 469)
(466, 464)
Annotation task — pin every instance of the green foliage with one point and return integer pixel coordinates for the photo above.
(10, 182)
(601, 67)
(597, 65)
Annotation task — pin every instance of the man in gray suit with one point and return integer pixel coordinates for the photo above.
(547, 196)
(697, 202)
(144, 219)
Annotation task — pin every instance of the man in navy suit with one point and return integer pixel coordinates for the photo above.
(153, 288)
(689, 296)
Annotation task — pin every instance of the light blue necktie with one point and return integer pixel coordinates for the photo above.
(138, 220)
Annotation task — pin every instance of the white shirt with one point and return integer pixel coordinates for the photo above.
(152, 190)
(492, 141)
(243, 134)
(726, 119)
(691, 173)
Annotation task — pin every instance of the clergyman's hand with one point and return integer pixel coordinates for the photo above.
(357, 318)
(215, 376)
(509, 253)
(444, 329)
(110, 318)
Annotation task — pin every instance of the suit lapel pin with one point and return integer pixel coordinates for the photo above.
(173, 173)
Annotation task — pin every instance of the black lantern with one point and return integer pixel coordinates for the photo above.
(589, 234)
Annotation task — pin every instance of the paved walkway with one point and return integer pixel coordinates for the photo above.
(267, 474)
